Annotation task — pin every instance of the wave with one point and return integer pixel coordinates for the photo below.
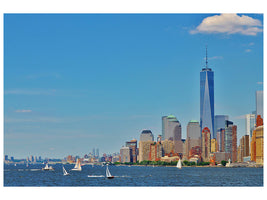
(95, 176)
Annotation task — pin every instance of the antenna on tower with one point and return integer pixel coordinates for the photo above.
(206, 56)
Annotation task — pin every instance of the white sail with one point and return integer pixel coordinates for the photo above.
(65, 172)
(108, 173)
(77, 166)
(179, 164)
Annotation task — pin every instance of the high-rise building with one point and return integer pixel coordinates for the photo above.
(257, 141)
(156, 151)
(168, 146)
(171, 128)
(207, 99)
(219, 122)
(144, 150)
(244, 147)
(146, 135)
(231, 139)
(205, 144)
(250, 124)
(259, 103)
(213, 145)
(97, 152)
(94, 152)
(220, 140)
(125, 154)
(193, 138)
(133, 146)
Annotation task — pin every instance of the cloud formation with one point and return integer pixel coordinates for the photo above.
(229, 24)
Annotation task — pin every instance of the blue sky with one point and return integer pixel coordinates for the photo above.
(82, 81)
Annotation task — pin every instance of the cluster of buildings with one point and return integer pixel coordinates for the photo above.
(212, 139)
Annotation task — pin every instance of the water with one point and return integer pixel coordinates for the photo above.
(21, 175)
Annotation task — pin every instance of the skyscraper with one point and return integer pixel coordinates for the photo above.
(171, 128)
(205, 144)
(259, 103)
(146, 135)
(207, 99)
(219, 122)
(193, 137)
(231, 139)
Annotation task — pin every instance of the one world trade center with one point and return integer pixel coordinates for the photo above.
(207, 99)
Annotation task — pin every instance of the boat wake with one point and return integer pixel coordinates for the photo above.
(95, 176)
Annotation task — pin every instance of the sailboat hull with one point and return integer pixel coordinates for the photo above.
(76, 169)
(111, 177)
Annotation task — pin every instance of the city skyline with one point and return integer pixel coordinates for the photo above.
(102, 79)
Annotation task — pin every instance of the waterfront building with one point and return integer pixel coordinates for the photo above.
(6, 157)
(156, 151)
(205, 144)
(144, 150)
(220, 139)
(193, 138)
(133, 146)
(219, 122)
(35, 159)
(213, 145)
(244, 147)
(250, 124)
(125, 154)
(207, 99)
(231, 139)
(195, 151)
(168, 146)
(257, 142)
(146, 135)
(171, 128)
(219, 156)
(239, 157)
(259, 103)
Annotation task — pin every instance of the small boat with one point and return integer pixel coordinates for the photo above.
(108, 174)
(65, 173)
(47, 168)
(179, 164)
(77, 166)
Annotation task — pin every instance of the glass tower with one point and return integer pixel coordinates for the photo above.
(207, 99)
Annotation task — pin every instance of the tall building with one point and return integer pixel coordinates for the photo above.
(244, 147)
(144, 150)
(193, 137)
(171, 128)
(220, 140)
(231, 139)
(156, 151)
(257, 142)
(146, 135)
(97, 153)
(219, 122)
(259, 103)
(207, 99)
(205, 144)
(133, 146)
(125, 154)
(250, 124)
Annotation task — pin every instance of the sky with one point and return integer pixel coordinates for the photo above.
(74, 82)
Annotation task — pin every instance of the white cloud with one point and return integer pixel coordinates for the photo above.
(23, 111)
(260, 83)
(229, 24)
(248, 50)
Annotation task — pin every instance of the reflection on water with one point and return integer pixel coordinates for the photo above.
(21, 175)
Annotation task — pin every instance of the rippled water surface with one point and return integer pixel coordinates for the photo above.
(21, 175)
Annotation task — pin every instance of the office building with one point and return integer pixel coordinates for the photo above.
(244, 147)
(146, 135)
(219, 122)
(259, 104)
(193, 137)
(231, 139)
(133, 146)
(207, 99)
(205, 144)
(156, 151)
(168, 146)
(213, 145)
(125, 154)
(144, 150)
(220, 140)
(257, 142)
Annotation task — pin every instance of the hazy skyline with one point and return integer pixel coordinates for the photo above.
(77, 82)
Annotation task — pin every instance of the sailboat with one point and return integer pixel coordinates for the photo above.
(47, 168)
(65, 173)
(77, 166)
(179, 164)
(108, 174)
